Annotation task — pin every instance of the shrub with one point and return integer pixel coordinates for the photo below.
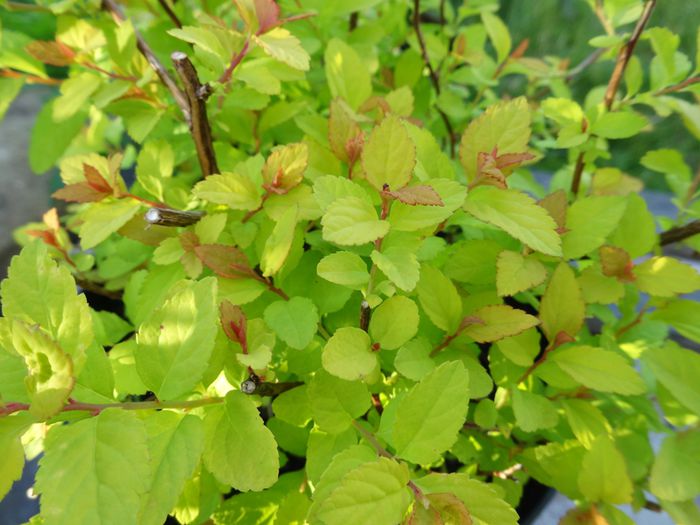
(338, 293)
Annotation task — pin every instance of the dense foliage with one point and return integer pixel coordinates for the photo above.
(338, 292)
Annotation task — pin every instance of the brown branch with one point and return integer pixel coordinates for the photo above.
(623, 59)
(626, 53)
(600, 14)
(354, 18)
(585, 63)
(168, 217)
(679, 233)
(578, 172)
(98, 289)
(197, 94)
(432, 73)
(169, 11)
(678, 87)
(112, 7)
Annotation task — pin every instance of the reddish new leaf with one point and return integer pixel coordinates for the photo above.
(268, 15)
(616, 262)
(224, 261)
(511, 160)
(189, 241)
(46, 236)
(556, 204)
(52, 53)
(234, 322)
(417, 195)
(95, 180)
(79, 192)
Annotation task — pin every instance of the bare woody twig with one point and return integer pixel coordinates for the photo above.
(197, 94)
(171, 14)
(680, 233)
(112, 7)
(168, 217)
(432, 73)
(623, 59)
(626, 53)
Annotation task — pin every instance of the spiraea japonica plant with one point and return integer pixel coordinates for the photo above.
(338, 295)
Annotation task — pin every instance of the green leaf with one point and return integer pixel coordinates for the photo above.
(590, 221)
(351, 221)
(375, 493)
(176, 341)
(75, 92)
(481, 499)
(346, 73)
(533, 412)
(439, 299)
(231, 189)
(50, 138)
(279, 243)
(281, 45)
(666, 277)
(598, 369)
(498, 34)
(95, 471)
(260, 344)
(39, 291)
(341, 464)
(678, 370)
(636, 231)
(682, 315)
(522, 348)
(516, 273)
(404, 217)
(430, 416)
(238, 449)
(586, 420)
(336, 402)
(295, 321)
(323, 447)
(518, 215)
(47, 371)
(618, 125)
(9, 89)
(102, 219)
(603, 475)
(675, 475)
(329, 188)
(174, 445)
(498, 322)
(293, 406)
(348, 355)
(394, 322)
(473, 261)
(389, 155)
(344, 268)
(486, 413)
(400, 265)
(413, 359)
(11, 430)
(562, 308)
(505, 126)
(284, 168)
